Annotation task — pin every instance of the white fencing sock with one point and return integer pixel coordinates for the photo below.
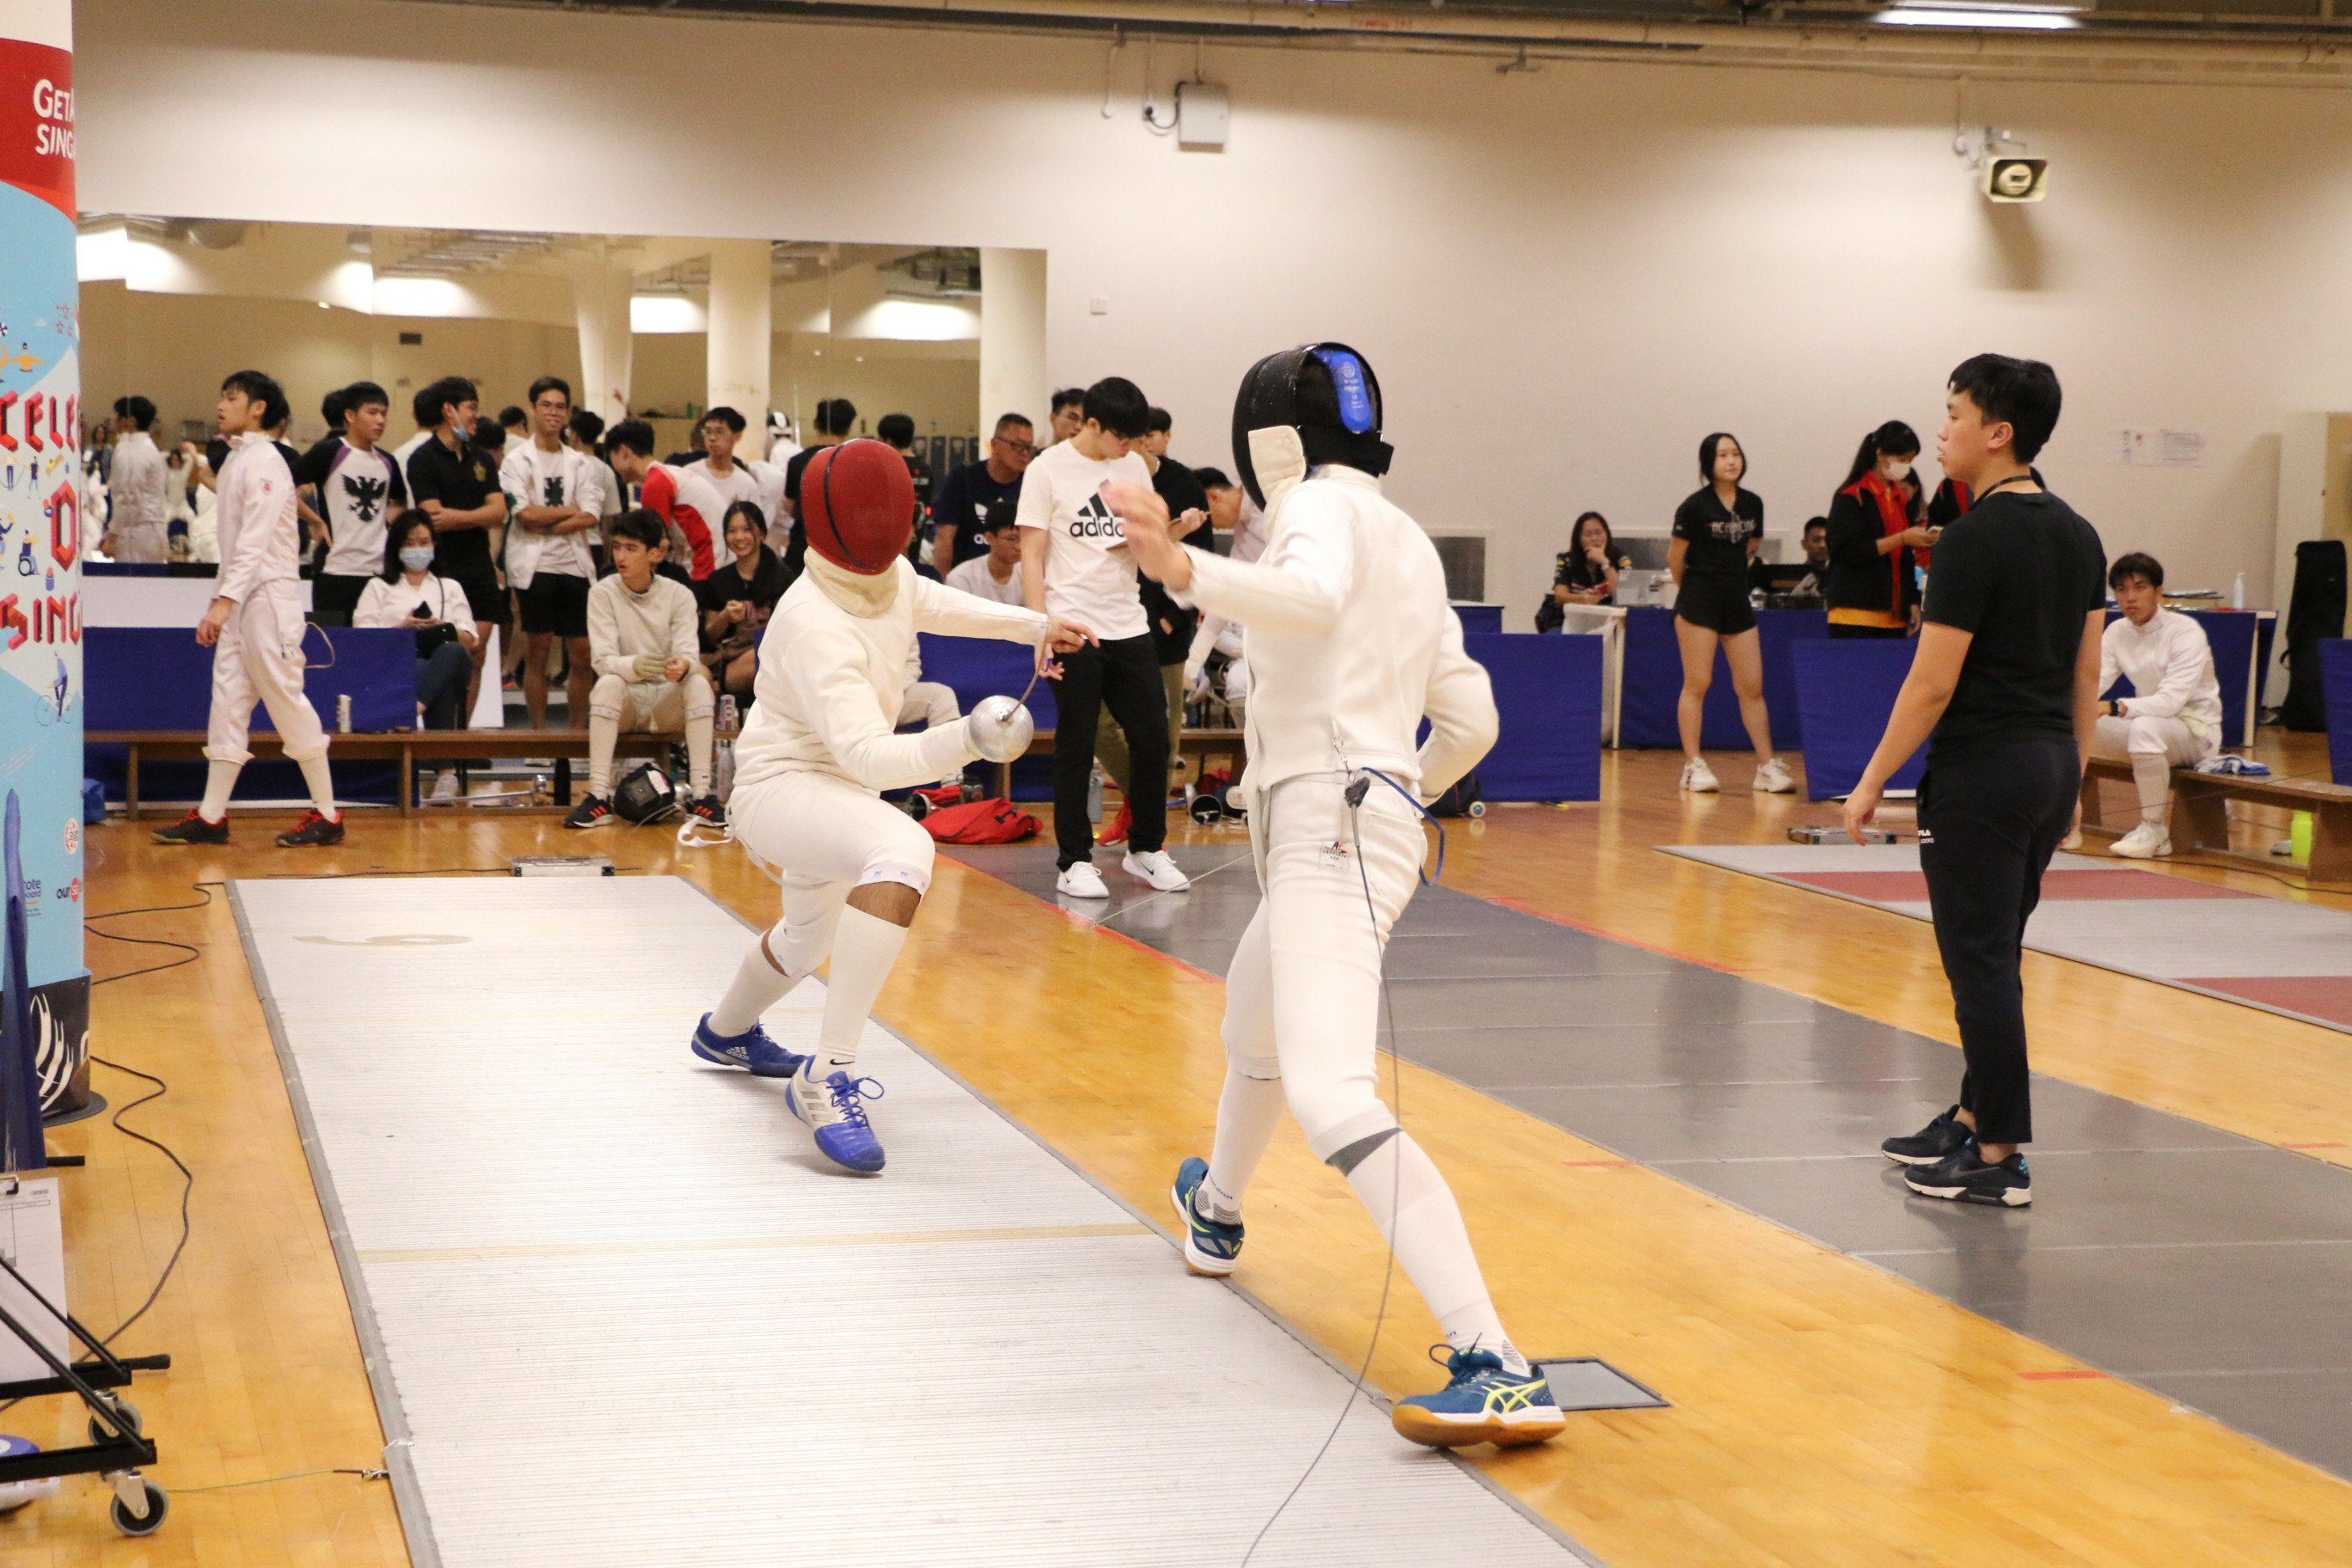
(759, 985)
(220, 778)
(604, 735)
(2152, 773)
(323, 786)
(698, 732)
(1432, 1244)
(1247, 1113)
(864, 947)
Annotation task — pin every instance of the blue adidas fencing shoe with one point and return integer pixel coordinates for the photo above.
(1211, 1247)
(835, 1109)
(1481, 1402)
(751, 1050)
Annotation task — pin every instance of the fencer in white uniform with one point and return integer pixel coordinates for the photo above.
(254, 624)
(1352, 644)
(139, 488)
(2175, 718)
(818, 748)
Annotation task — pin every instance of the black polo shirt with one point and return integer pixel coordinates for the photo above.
(462, 480)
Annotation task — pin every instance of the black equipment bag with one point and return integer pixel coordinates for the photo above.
(2315, 614)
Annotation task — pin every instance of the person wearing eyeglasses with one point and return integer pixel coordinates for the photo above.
(961, 504)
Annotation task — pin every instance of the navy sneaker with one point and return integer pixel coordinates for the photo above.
(1932, 1142)
(707, 811)
(750, 1050)
(1964, 1176)
(1481, 1402)
(1211, 1247)
(835, 1109)
(193, 829)
(593, 811)
(315, 831)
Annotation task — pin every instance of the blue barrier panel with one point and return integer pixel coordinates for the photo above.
(156, 678)
(1478, 619)
(2336, 693)
(1547, 692)
(1846, 690)
(1653, 680)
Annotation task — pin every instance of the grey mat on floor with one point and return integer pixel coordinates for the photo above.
(2210, 1267)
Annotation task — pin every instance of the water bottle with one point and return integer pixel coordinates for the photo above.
(722, 764)
(2238, 593)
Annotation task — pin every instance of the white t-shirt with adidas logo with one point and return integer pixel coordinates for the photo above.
(1089, 571)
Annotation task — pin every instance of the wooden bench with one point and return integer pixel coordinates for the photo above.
(2201, 816)
(405, 747)
(1196, 744)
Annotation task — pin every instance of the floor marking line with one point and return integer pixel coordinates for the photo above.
(1523, 907)
(2076, 1375)
(750, 1243)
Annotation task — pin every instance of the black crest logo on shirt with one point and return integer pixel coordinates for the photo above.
(1094, 521)
(551, 491)
(365, 493)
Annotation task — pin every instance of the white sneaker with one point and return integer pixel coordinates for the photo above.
(1772, 778)
(2145, 842)
(2283, 846)
(1154, 866)
(445, 786)
(1081, 880)
(1698, 778)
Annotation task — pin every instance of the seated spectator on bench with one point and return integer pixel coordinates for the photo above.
(643, 636)
(737, 600)
(1585, 573)
(997, 575)
(407, 594)
(2174, 718)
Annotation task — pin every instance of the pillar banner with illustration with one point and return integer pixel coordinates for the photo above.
(41, 532)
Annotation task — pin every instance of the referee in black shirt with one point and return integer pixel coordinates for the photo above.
(2004, 689)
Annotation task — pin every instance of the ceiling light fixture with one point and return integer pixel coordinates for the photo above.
(1962, 14)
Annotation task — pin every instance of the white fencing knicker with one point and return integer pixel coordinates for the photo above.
(260, 657)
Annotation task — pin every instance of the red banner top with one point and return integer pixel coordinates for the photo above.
(37, 122)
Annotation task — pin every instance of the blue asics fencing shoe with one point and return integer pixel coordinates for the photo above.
(835, 1110)
(1481, 1402)
(1211, 1247)
(751, 1050)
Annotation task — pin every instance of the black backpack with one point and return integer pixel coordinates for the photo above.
(2315, 614)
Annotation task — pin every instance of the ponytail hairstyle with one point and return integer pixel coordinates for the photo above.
(1892, 439)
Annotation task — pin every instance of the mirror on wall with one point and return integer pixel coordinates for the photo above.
(657, 328)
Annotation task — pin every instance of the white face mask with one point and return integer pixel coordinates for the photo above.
(416, 557)
(1896, 472)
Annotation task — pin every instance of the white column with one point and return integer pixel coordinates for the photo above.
(1011, 338)
(739, 339)
(600, 293)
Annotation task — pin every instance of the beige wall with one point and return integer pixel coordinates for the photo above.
(1563, 277)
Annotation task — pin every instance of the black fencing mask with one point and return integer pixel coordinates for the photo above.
(1317, 403)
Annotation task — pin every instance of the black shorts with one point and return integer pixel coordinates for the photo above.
(332, 598)
(1718, 604)
(556, 604)
(486, 599)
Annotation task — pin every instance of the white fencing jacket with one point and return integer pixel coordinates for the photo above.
(1351, 642)
(2171, 668)
(261, 533)
(830, 684)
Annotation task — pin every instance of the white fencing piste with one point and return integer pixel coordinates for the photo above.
(624, 1314)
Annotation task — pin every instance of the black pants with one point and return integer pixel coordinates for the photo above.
(441, 679)
(1875, 632)
(333, 599)
(1122, 675)
(1988, 827)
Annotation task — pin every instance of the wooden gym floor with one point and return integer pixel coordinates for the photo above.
(1826, 1412)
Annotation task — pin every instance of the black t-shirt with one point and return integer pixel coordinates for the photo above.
(2020, 573)
(726, 584)
(1718, 536)
(1181, 490)
(959, 506)
(1575, 569)
(462, 480)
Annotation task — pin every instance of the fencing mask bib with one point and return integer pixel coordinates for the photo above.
(858, 506)
(1317, 403)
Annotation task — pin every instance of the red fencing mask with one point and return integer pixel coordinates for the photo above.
(858, 504)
